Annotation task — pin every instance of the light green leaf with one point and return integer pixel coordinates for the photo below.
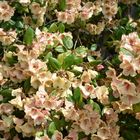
(68, 43)
(77, 96)
(28, 36)
(93, 47)
(71, 60)
(62, 5)
(27, 85)
(61, 27)
(53, 28)
(125, 51)
(95, 106)
(136, 107)
(51, 128)
(54, 63)
(59, 49)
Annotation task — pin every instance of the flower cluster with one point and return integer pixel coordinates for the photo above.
(75, 10)
(69, 70)
(110, 8)
(7, 38)
(129, 54)
(96, 29)
(6, 11)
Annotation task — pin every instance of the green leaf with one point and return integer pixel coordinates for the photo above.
(54, 63)
(28, 36)
(60, 49)
(11, 59)
(81, 135)
(120, 31)
(51, 128)
(95, 62)
(125, 51)
(39, 134)
(90, 58)
(6, 93)
(136, 107)
(130, 134)
(68, 61)
(61, 27)
(71, 60)
(68, 43)
(77, 97)
(115, 60)
(93, 47)
(77, 94)
(19, 24)
(53, 28)
(62, 5)
(27, 85)
(81, 51)
(8, 24)
(95, 106)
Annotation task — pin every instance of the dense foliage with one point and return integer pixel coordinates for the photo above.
(69, 70)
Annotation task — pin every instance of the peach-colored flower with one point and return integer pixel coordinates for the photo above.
(24, 2)
(111, 73)
(95, 137)
(6, 108)
(103, 133)
(128, 68)
(57, 136)
(110, 115)
(89, 120)
(71, 136)
(16, 137)
(88, 90)
(6, 10)
(102, 94)
(70, 114)
(18, 121)
(2, 125)
(36, 8)
(35, 65)
(86, 77)
(127, 87)
(17, 102)
(130, 99)
(42, 138)
(27, 129)
(109, 9)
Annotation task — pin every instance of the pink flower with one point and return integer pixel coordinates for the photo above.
(100, 67)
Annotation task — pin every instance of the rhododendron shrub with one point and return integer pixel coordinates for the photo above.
(69, 70)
